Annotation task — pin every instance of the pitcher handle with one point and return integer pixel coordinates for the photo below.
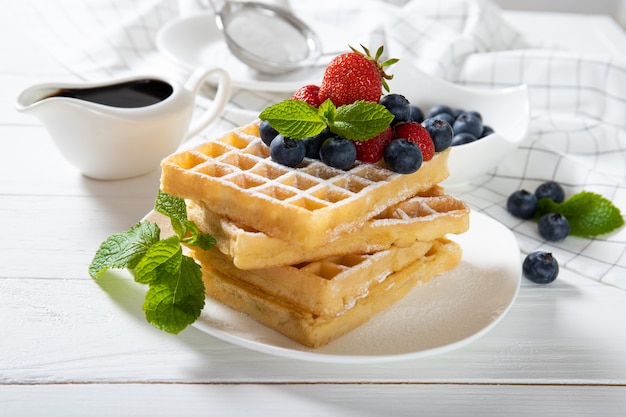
(222, 96)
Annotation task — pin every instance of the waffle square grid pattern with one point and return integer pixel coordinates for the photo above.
(235, 176)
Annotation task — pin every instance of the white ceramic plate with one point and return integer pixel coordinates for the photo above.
(195, 41)
(447, 313)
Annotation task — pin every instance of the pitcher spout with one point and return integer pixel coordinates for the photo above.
(33, 99)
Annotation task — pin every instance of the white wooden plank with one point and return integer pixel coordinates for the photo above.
(53, 236)
(310, 400)
(62, 330)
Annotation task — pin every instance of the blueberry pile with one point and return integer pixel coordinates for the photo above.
(540, 266)
(331, 149)
(401, 154)
(467, 126)
(523, 204)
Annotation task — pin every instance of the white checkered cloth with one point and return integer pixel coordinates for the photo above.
(578, 101)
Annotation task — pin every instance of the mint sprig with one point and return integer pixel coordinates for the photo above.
(296, 119)
(175, 295)
(589, 214)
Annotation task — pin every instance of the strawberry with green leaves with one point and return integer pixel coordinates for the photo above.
(355, 76)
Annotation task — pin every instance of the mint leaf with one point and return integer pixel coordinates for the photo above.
(327, 111)
(162, 258)
(124, 250)
(175, 295)
(174, 208)
(196, 238)
(294, 119)
(589, 214)
(177, 299)
(545, 206)
(361, 120)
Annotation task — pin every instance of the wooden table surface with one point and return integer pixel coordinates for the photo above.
(70, 346)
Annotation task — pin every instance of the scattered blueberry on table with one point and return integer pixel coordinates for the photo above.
(553, 227)
(522, 204)
(540, 267)
(552, 190)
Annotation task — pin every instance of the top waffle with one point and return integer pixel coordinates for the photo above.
(309, 205)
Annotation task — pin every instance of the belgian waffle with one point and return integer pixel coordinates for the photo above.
(316, 330)
(308, 205)
(326, 287)
(425, 217)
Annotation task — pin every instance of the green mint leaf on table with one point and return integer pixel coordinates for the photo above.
(175, 295)
(162, 258)
(124, 250)
(296, 119)
(177, 299)
(589, 214)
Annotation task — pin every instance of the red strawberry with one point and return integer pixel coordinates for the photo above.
(309, 94)
(371, 150)
(417, 133)
(354, 76)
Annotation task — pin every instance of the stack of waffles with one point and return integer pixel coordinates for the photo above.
(313, 252)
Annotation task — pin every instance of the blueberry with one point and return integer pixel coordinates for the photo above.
(417, 115)
(286, 151)
(462, 139)
(458, 112)
(314, 143)
(338, 152)
(522, 204)
(440, 132)
(540, 267)
(398, 105)
(403, 156)
(553, 227)
(475, 113)
(444, 116)
(487, 130)
(468, 123)
(267, 132)
(550, 189)
(440, 108)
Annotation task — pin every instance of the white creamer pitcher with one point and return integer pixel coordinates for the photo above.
(124, 127)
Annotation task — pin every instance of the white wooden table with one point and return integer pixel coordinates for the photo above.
(69, 346)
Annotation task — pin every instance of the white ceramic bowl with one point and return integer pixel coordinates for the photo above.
(507, 111)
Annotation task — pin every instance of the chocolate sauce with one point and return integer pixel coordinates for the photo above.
(131, 94)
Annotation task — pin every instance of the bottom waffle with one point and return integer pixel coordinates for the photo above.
(317, 330)
(326, 287)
